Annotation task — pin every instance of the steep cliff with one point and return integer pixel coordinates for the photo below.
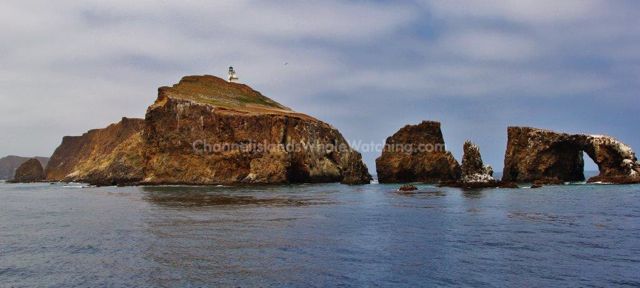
(109, 156)
(205, 130)
(543, 156)
(30, 171)
(416, 153)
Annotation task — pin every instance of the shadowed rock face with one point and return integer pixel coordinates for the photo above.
(536, 154)
(548, 157)
(205, 130)
(28, 172)
(416, 153)
(9, 164)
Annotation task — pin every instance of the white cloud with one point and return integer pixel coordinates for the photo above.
(482, 45)
(546, 12)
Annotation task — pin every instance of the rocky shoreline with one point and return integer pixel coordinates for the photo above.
(264, 142)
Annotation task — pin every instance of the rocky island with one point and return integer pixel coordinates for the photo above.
(416, 153)
(533, 155)
(9, 164)
(474, 173)
(548, 157)
(29, 172)
(205, 130)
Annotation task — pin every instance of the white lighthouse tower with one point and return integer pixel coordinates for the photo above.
(232, 75)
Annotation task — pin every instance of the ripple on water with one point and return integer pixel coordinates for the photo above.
(319, 235)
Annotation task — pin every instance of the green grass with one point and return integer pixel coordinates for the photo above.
(215, 91)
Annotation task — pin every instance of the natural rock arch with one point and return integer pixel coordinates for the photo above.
(550, 157)
(616, 161)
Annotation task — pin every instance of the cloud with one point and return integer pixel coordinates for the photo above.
(489, 46)
(536, 12)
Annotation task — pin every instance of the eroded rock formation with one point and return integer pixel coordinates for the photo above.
(205, 130)
(549, 157)
(416, 153)
(616, 161)
(28, 172)
(474, 172)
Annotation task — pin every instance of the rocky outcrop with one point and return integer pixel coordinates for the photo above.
(228, 133)
(29, 172)
(109, 156)
(474, 172)
(9, 164)
(416, 153)
(616, 161)
(549, 157)
(541, 155)
(205, 130)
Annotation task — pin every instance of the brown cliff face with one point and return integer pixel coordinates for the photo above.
(205, 130)
(241, 136)
(543, 156)
(28, 172)
(109, 156)
(416, 153)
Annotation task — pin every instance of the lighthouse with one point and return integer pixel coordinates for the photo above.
(232, 75)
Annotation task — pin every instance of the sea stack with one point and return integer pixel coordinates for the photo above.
(416, 153)
(474, 172)
(548, 157)
(205, 130)
(29, 172)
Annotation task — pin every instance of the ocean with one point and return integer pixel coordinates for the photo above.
(318, 235)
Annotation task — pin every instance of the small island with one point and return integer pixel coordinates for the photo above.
(208, 131)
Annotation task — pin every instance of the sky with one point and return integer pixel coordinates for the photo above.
(366, 67)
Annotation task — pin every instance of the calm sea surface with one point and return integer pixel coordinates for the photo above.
(319, 235)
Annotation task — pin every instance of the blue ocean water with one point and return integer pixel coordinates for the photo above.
(319, 235)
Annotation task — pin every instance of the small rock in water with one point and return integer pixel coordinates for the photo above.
(408, 187)
(508, 185)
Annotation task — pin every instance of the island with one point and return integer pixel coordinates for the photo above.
(208, 131)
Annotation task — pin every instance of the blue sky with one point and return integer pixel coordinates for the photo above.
(366, 67)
